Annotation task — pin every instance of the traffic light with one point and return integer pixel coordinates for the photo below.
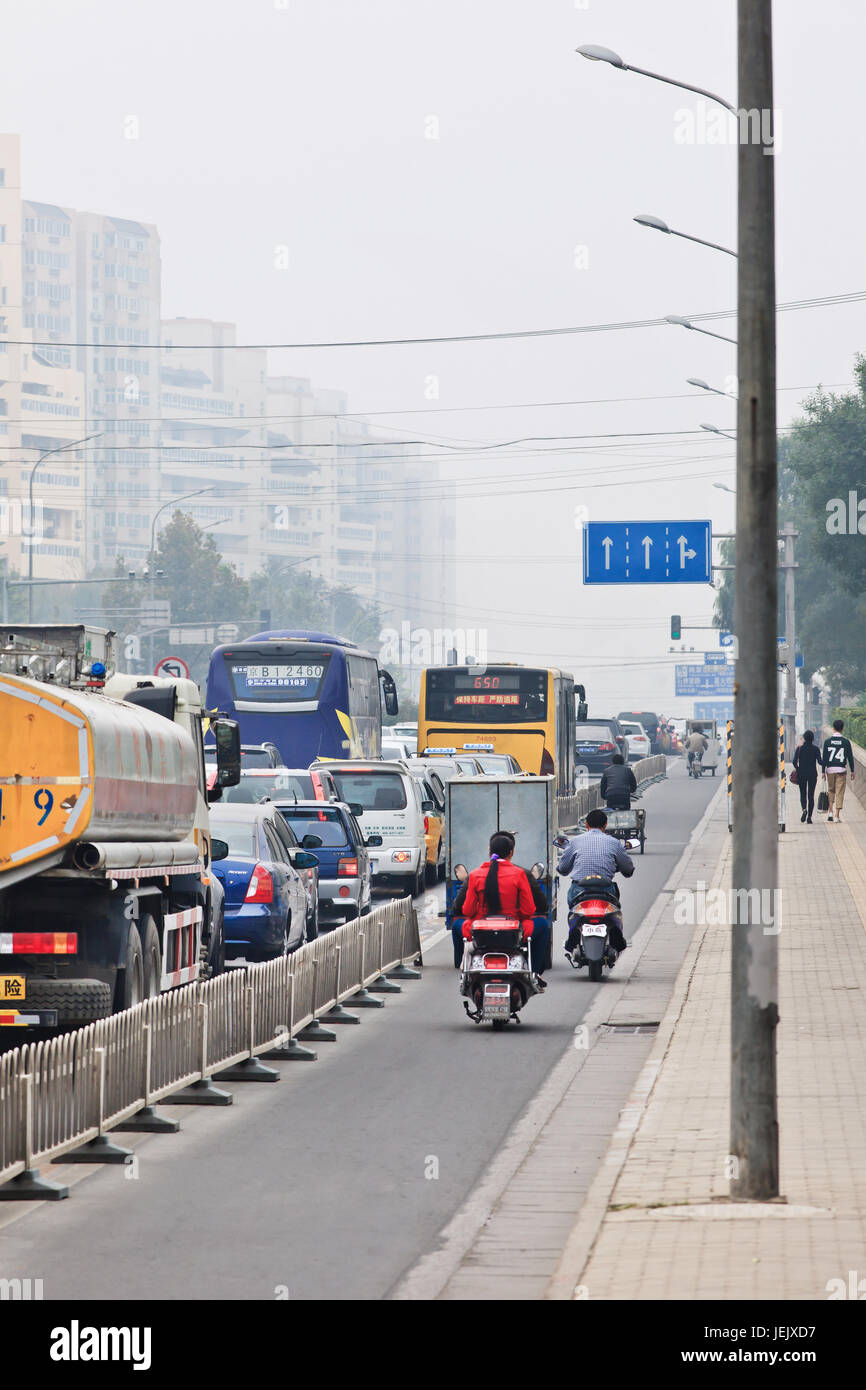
(676, 627)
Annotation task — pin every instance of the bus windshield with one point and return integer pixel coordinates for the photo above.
(497, 696)
(254, 679)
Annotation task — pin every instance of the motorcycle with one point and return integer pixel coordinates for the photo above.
(497, 977)
(696, 766)
(590, 917)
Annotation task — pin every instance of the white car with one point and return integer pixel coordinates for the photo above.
(393, 807)
(639, 745)
(396, 749)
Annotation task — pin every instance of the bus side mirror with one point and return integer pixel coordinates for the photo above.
(227, 737)
(389, 691)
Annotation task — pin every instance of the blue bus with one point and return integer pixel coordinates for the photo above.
(313, 695)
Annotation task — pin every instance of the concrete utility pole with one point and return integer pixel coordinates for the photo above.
(789, 565)
(754, 973)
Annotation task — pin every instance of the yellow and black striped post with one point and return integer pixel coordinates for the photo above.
(782, 778)
(729, 743)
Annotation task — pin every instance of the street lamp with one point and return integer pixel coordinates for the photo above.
(686, 323)
(723, 487)
(175, 501)
(714, 429)
(61, 448)
(647, 220)
(597, 54)
(704, 386)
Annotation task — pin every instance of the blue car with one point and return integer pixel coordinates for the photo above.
(331, 831)
(265, 897)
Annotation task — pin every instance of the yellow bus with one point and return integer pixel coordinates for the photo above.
(528, 712)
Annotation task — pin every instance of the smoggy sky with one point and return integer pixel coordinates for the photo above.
(308, 124)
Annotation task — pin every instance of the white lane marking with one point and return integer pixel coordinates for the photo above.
(430, 941)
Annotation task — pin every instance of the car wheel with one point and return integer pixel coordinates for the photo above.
(313, 923)
(418, 886)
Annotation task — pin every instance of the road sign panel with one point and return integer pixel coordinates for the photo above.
(715, 659)
(228, 632)
(173, 666)
(704, 680)
(726, 639)
(647, 552)
(714, 709)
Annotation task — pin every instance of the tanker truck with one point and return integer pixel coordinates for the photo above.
(106, 890)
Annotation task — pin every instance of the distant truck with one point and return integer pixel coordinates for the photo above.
(106, 891)
(712, 758)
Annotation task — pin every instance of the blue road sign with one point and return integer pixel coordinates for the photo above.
(704, 680)
(714, 709)
(647, 552)
(726, 639)
(715, 659)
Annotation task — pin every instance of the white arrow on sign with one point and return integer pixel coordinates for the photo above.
(607, 543)
(684, 554)
(647, 545)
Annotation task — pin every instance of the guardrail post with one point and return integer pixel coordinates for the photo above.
(203, 1091)
(28, 1186)
(100, 1149)
(146, 1120)
(338, 1014)
(729, 736)
(291, 1051)
(381, 984)
(250, 1069)
(314, 1032)
(402, 971)
(364, 999)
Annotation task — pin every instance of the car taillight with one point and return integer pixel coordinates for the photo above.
(495, 962)
(38, 943)
(607, 747)
(593, 908)
(347, 868)
(261, 886)
(318, 789)
(426, 825)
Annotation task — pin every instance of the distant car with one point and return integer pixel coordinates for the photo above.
(278, 783)
(597, 740)
(433, 792)
(497, 764)
(464, 762)
(650, 722)
(253, 755)
(397, 749)
(333, 834)
(394, 808)
(407, 732)
(638, 742)
(266, 902)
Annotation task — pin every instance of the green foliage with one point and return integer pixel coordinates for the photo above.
(819, 464)
(855, 724)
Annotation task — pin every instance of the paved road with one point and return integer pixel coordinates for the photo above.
(334, 1181)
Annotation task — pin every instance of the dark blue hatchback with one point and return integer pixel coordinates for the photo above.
(331, 831)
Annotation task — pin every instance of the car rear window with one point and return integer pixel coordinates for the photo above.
(375, 791)
(593, 731)
(240, 837)
(328, 825)
(256, 757)
(252, 789)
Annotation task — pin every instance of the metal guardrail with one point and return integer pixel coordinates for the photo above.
(570, 810)
(69, 1091)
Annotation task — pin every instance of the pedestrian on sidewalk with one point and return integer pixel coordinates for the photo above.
(836, 758)
(807, 760)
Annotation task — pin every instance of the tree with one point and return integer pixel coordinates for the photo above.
(820, 466)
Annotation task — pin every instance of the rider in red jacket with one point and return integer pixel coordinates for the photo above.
(514, 892)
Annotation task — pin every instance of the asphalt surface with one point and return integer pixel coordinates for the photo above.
(333, 1182)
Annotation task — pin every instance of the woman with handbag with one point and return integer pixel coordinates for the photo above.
(807, 760)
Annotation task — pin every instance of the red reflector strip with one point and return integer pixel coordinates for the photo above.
(38, 943)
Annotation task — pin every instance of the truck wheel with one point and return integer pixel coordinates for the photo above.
(77, 1001)
(152, 957)
(130, 982)
(217, 952)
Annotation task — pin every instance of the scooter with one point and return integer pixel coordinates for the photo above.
(497, 976)
(696, 767)
(589, 920)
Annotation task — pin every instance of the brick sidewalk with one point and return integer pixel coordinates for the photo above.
(665, 1233)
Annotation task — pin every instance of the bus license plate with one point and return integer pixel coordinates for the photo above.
(12, 987)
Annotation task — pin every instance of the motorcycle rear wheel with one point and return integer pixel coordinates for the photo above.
(595, 969)
(499, 1023)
